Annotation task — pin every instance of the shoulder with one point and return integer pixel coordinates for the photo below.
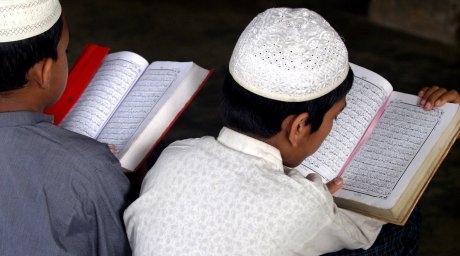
(77, 147)
(78, 143)
(79, 159)
(50, 148)
(180, 157)
(189, 148)
(193, 142)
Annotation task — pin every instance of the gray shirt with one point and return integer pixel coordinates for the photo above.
(61, 193)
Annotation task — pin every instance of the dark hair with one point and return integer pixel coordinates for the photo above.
(16, 58)
(250, 113)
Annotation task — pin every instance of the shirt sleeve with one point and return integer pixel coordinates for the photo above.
(109, 204)
(86, 212)
(346, 229)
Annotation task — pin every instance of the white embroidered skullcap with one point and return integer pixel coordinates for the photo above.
(21, 19)
(289, 55)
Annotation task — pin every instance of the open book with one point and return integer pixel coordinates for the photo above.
(121, 99)
(386, 148)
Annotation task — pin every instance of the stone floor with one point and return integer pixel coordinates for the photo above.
(206, 31)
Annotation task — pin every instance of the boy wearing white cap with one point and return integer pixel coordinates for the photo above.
(239, 193)
(61, 193)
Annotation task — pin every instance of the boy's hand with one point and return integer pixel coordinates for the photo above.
(435, 96)
(113, 148)
(332, 186)
(335, 184)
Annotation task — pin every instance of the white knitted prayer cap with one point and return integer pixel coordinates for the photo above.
(21, 19)
(289, 55)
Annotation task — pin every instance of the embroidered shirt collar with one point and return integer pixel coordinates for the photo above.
(250, 146)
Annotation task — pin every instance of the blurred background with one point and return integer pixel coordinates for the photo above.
(409, 42)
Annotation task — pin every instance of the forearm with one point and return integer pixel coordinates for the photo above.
(348, 230)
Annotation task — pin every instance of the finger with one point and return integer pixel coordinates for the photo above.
(425, 92)
(434, 98)
(431, 90)
(450, 96)
(335, 184)
(113, 148)
(422, 91)
(447, 96)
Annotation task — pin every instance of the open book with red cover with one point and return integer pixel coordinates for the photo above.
(121, 99)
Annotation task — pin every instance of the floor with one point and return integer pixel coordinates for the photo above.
(206, 31)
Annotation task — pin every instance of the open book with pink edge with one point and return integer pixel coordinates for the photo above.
(386, 148)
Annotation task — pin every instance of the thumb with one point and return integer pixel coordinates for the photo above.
(335, 184)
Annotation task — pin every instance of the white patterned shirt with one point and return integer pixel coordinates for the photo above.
(231, 196)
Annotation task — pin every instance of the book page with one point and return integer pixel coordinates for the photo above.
(366, 97)
(398, 145)
(176, 99)
(150, 92)
(107, 88)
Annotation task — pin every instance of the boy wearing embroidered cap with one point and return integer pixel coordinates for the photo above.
(62, 193)
(239, 193)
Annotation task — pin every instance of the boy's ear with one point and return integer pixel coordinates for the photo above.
(46, 72)
(40, 73)
(295, 126)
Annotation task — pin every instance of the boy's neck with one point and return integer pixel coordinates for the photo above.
(20, 100)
